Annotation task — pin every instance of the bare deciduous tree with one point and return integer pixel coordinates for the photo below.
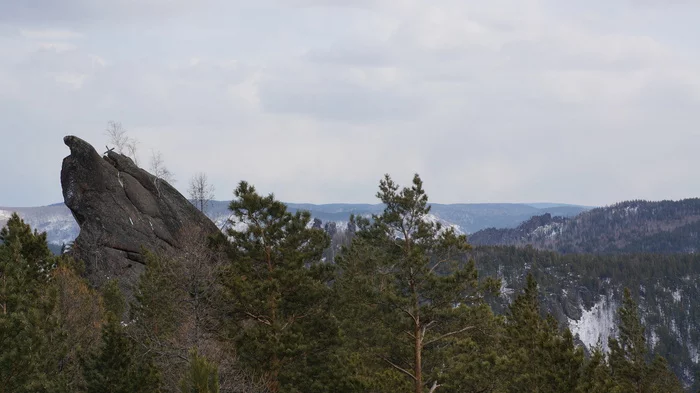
(159, 170)
(190, 274)
(117, 135)
(131, 148)
(122, 143)
(201, 192)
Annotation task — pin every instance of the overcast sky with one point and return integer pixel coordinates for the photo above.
(588, 102)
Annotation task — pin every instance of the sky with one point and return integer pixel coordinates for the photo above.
(586, 102)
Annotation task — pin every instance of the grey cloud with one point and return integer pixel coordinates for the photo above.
(507, 101)
(48, 12)
(335, 100)
(359, 55)
(663, 3)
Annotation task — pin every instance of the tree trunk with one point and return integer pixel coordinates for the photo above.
(418, 371)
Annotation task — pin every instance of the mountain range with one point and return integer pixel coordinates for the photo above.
(57, 221)
(631, 226)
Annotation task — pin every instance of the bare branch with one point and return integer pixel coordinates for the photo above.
(434, 387)
(410, 315)
(259, 318)
(438, 263)
(403, 370)
(449, 334)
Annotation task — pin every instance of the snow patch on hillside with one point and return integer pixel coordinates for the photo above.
(631, 210)
(694, 353)
(505, 290)
(653, 339)
(59, 228)
(674, 328)
(549, 230)
(676, 296)
(445, 224)
(595, 324)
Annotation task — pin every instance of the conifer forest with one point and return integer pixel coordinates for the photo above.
(272, 304)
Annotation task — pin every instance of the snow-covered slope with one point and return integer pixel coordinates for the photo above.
(584, 291)
(631, 226)
(56, 220)
(596, 324)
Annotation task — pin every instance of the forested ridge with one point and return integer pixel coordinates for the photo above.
(665, 285)
(397, 304)
(631, 226)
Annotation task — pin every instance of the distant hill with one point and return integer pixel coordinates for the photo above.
(56, 220)
(465, 217)
(632, 226)
(61, 228)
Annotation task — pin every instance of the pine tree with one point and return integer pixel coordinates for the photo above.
(407, 293)
(565, 358)
(30, 339)
(79, 312)
(660, 379)
(116, 368)
(157, 316)
(475, 362)
(202, 376)
(524, 333)
(595, 377)
(156, 311)
(113, 299)
(541, 358)
(628, 351)
(277, 294)
(628, 356)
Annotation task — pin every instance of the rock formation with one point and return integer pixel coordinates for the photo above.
(121, 210)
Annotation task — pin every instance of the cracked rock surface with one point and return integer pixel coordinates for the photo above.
(121, 209)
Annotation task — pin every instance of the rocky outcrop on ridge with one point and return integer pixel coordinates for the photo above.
(122, 210)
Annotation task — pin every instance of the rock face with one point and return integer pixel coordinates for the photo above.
(121, 210)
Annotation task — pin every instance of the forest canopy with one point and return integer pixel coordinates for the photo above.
(276, 305)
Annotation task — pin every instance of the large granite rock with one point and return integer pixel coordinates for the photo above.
(122, 209)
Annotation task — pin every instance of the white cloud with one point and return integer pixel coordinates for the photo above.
(74, 81)
(51, 35)
(508, 100)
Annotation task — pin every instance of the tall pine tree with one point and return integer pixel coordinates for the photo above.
(408, 293)
(540, 358)
(628, 356)
(595, 376)
(116, 366)
(277, 295)
(29, 332)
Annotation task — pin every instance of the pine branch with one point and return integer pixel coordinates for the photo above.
(449, 334)
(403, 370)
(259, 318)
(410, 314)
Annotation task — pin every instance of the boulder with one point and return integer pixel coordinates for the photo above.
(121, 210)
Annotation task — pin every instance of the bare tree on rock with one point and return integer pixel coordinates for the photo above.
(159, 170)
(122, 143)
(201, 191)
